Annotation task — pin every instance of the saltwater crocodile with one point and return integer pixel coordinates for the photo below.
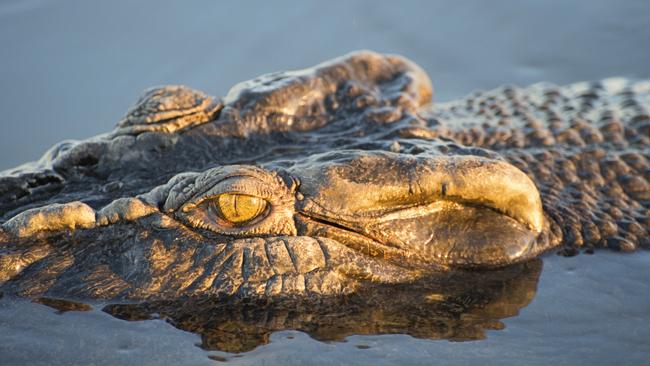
(323, 180)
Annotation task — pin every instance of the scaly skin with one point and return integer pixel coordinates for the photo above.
(350, 176)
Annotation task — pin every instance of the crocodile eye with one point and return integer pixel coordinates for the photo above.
(233, 200)
(236, 208)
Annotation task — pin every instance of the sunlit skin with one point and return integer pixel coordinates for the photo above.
(324, 182)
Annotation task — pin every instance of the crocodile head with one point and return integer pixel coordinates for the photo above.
(318, 181)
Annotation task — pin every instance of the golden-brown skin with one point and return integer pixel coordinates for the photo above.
(325, 181)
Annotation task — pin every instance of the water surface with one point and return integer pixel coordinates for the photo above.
(70, 69)
(588, 310)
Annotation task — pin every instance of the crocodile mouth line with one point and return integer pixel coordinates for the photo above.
(438, 235)
(317, 225)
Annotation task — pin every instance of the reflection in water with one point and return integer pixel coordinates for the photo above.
(63, 305)
(456, 306)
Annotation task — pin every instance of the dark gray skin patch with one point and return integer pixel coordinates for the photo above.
(362, 180)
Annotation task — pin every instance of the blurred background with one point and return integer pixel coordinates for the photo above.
(70, 69)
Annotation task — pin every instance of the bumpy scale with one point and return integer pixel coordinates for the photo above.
(325, 181)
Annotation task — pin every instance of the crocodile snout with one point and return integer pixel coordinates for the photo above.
(451, 211)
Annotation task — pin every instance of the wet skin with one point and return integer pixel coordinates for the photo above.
(326, 181)
(455, 305)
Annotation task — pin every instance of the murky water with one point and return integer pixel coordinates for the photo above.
(70, 69)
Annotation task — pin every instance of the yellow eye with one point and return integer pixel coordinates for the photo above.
(239, 208)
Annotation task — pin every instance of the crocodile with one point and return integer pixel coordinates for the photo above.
(453, 305)
(325, 181)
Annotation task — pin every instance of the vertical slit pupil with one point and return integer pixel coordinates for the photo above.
(234, 204)
(239, 208)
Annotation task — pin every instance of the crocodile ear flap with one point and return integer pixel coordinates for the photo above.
(359, 87)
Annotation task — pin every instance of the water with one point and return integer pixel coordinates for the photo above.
(70, 69)
(588, 310)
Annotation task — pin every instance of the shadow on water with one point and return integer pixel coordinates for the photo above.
(456, 306)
